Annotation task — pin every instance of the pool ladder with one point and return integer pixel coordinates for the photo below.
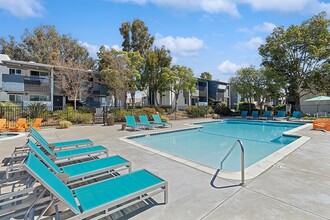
(238, 142)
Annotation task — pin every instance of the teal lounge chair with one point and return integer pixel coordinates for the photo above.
(280, 116)
(158, 121)
(254, 115)
(267, 115)
(59, 145)
(100, 199)
(243, 114)
(145, 122)
(130, 122)
(73, 153)
(296, 116)
(84, 171)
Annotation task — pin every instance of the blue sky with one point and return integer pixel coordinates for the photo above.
(217, 36)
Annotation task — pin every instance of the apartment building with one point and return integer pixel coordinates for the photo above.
(205, 89)
(28, 82)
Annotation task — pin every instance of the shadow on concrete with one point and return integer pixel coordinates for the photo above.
(212, 183)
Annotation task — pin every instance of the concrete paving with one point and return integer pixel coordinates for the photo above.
(297, 187)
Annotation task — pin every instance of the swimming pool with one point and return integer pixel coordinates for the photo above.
(6, 136)
(210, 143)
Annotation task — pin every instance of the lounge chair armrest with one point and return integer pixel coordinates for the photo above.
(51, 146)
(52, 157)
(63, 177)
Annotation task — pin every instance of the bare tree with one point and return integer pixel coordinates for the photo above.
(73, 79)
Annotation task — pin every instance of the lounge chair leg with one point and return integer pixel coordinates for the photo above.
(166, 194)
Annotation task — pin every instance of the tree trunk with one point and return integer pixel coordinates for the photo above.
(74, 107)
(155, 99)
(116, 101)
(176, 102)
(296, 106)
(125, 101)
(133, 99)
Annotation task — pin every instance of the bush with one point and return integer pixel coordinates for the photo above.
(222, 109)
(280, 107)
(160, 111)
(197, 111)
(65, 124)
(244, 106)
(75, 117)
(120, 114)
(36, 109)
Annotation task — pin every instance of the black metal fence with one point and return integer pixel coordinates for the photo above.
(51, 115)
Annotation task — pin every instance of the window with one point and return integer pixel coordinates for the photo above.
(38, 73)
(15, 71)
(16, 98)
(39, 98)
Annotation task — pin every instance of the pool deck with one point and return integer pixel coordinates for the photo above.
(296, 187)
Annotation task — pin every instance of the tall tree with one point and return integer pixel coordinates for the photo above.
(299, 54)
(179, 79)
(206, 76)
(12, 49)
(136, 37)
(45, 45)
(120, 71)
(155, 62)
(73, 79)
(243, 83)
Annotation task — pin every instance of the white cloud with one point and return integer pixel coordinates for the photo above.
(228, 67)
(265, 27)
(210, 6)
(252, 44)
(93, 49)
(179, 45)
(231, 6)
(23, 8)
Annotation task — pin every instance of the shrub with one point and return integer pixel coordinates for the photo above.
(64, 124)
(222, 109)
(244, 106)
(197, 111)
(119, 115)
(36, 109)
(160, 111)
(280, 107)
(75, 117)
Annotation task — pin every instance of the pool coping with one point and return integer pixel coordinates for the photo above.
(19, 134)
(250, 172)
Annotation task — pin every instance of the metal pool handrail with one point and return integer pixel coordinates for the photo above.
(242, 158)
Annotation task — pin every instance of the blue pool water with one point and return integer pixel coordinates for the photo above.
(209, 144)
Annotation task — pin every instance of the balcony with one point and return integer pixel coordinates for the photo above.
(36, 86)
(13, 83)
(100, 90)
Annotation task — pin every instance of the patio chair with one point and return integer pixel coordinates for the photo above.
(280, 116)
(267, 115)
(3, 125)
(130, 122)
(243, 114)
(59, 152)
(84, 171)
(16, 204)
(145, 122)
(321, 124)
(20, 125)
(296, 116)
(158, 121)
(254, 115)
(59, 145)
(36, 124)
(97, 200)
